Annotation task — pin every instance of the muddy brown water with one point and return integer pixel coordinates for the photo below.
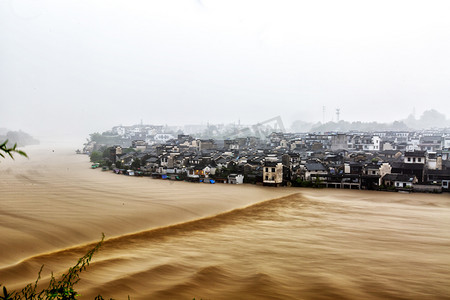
(176, 240)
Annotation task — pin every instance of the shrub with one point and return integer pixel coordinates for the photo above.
(96, 156)
(62, 289)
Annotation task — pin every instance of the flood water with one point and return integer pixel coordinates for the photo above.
(175, 240)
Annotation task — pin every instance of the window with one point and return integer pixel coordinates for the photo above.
(267, 170)
(409, 158)
(419, 159)
(267, 177)
(273, 169)
(414, 159)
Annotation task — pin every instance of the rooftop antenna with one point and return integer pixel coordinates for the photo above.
(338, 110)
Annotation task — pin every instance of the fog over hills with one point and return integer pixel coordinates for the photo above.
(430, 119)
(17, 137)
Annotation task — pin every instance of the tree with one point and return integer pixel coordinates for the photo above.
(317, 183)
(96, 156)
(4, 150)
(136, 164)
(107, 152)
(432, 118)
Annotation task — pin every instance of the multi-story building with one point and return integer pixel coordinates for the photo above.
(272, 173)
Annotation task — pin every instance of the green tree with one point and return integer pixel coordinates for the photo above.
(317, 182)
(96, 156)
(96, 137)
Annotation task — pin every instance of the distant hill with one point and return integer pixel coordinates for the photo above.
(430, 119)
(19, 137)
(344, 126)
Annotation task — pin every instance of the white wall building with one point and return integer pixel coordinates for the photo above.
(236, 179)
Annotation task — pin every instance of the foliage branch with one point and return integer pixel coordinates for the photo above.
(5, 150)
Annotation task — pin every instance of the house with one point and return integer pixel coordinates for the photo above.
(445, 153)
(434, 161)
(373, 173)
(390, 154)
(399, 181)
(412, 157)
(139, 145)
(441, 177)
(445, 185)
(164, 160)
(231, 145)
(272, 173)
(152, 162)
(314, 170)
(431, 143)
(372, 169)
(126, 159)
(339, 142)
(206, 144)
(195, 172)
(353, 167)
(367, 143)
(114, 151)
(413, 164)
(445, 142)
(236, 179)
(343, 181)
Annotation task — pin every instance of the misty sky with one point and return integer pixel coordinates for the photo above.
(74, 67)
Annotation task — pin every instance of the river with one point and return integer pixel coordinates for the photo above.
(177, 240)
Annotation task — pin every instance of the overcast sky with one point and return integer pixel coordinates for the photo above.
(74, 67)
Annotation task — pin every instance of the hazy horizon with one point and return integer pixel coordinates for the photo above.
(77, 67)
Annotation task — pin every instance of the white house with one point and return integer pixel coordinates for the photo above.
(414, 157)
(399, 180)
(236, 179)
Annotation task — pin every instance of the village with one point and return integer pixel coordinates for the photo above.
(412, 161)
